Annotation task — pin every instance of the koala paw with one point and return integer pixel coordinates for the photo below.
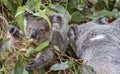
(32, 65)
(13, 31)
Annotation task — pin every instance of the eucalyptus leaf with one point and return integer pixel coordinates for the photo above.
(20, 17)
(48, 11)
(3, 68)
(29, 51)
(29, 42)
(42, 14)
(10, 6)
(90, 69)
(31, 4)
(61, 66)
(41, 71)
(42, 46)
(106, 2)
(25, 72)
(20, 10)
(77, 17)
(56, 48)
(18, 67)
(20, 2)
(105, 13)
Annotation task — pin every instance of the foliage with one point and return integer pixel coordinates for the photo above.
(13, 60)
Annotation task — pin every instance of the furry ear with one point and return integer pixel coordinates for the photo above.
(100, 21)
(57, 21)
(28, 16)
(72, 34)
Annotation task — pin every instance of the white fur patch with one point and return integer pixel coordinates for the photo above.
(98, 37)
(25, 22)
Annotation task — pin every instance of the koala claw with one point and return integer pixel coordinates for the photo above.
(13, 30)
(32, 65)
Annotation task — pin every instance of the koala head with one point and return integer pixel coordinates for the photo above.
(38, 29)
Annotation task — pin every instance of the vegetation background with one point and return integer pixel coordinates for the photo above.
(14, 57)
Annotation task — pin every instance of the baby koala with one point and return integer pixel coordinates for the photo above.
(98, 45)
(39, 30)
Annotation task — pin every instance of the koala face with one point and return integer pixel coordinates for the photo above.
(38, 29)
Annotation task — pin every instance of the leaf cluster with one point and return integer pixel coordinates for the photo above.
(13, 60)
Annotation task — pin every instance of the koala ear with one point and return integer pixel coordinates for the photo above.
(57, 20)
(72, 34)
(100, 21)
(28, 16)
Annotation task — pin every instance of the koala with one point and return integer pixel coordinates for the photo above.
(98, 45)
(39, 30)
(83, 28)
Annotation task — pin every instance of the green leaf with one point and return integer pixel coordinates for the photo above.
(29, 42)
(29, 51)
(48, 11)
(20, 2)
(42, 46)
(94, 1)
(90, 69)
(0, 15)
(10, 6)
(31, 4)
(39, 48)
(18, 69)
(117, 1)
(106, 2)
(41, 71)
(61, 66)
(56, 48)
(20, 10)
(105, 13)
(76, 16)
(1, 40)
(20, 17)
(3, 68)
(25, 72)
(42, 14)
(81, 1)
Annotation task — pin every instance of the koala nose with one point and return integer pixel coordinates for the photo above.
(33, 34)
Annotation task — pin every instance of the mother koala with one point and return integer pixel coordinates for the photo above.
(98, 45)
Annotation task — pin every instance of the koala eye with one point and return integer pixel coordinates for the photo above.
(42, 30)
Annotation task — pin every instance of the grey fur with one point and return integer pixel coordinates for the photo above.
(96, 42)
(55, 36)
(39, 30)
(103, 53)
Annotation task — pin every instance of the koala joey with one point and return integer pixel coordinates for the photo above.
(39, 30)
(98, 45)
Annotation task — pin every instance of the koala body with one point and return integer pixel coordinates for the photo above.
(98, 45)
(39, 30)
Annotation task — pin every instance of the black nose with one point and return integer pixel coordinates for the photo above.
(34, 34)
